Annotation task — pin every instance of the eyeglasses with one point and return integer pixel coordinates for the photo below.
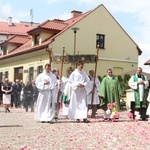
(109, 72)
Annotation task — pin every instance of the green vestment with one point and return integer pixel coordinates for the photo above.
(137, 94)
(110, 92)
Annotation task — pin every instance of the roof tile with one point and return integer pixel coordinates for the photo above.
(55, 25)
(19, 39)
(16, 28)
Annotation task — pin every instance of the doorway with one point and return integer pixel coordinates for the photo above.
(18, 73)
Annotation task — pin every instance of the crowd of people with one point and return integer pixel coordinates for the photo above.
(80, 92)
(18, 94)
(76, 93)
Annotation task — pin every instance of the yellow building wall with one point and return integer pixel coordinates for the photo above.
(10, 47)
(120, 50)
(44, 35)
(26, 61)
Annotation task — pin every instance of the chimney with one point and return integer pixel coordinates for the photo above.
(9, 21)
(75, 13)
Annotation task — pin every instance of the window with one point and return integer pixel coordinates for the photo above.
(5, 51)
(18, 73)
(6, 74)
(100, 39)
(39, 69)
(1, 76)
(31, 73)
(36, 39)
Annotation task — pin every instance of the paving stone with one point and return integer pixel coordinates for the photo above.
(19, 131)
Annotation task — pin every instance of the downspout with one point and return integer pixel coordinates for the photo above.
(50, 54)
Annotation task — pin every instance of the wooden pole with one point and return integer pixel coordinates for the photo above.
(62, 62)
(95, 76)
(50, 56)
(61, 70)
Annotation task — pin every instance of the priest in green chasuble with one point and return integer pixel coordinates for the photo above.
(139, 84)
(110, 92)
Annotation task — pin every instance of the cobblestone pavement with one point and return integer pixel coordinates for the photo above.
(19, 131)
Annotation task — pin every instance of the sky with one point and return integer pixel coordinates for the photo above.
(132, 15)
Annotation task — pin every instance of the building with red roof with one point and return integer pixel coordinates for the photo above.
(94, 32)
(9, 28)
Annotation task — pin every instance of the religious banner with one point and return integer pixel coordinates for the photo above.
(58, 59)
(73, 59)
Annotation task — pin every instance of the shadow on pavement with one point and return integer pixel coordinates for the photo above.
(4, 126)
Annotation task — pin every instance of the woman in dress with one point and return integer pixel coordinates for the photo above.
(6, 89)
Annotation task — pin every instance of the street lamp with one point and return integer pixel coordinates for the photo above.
(75, 29)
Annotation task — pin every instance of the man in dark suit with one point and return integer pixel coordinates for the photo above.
(28, 96)
(35, 92)
(17, 90)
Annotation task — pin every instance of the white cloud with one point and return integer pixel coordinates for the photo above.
(5, 11)
(64, 16)
(21, 14)
(140, 10)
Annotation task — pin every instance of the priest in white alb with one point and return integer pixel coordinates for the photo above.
(78, 102)
(92, 97)
(45, 83)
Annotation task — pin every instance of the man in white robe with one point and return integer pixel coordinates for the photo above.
(92, 97)
(66, 92)
(139, 84)
(45, 83)
(58, 92)
(78, 103)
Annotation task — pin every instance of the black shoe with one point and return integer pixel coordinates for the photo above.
(55, 117)
(8, 110)
(107, 119)
(78, 121)
(50, 122)
(86, 121)
(43, 121)
(144, 119)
